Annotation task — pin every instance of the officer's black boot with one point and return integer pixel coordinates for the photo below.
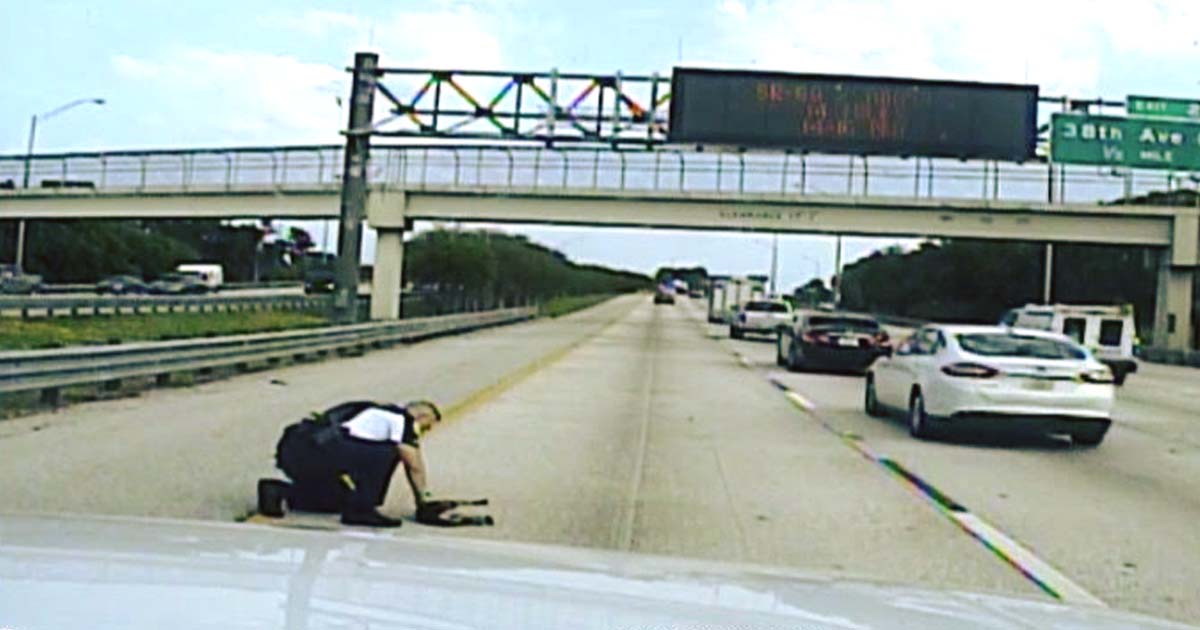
(271, 493)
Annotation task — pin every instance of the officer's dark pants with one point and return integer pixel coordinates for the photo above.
(370, 466)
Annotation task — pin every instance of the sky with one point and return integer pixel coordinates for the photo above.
(225, 73)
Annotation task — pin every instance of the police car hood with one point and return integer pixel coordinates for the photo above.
(98, 573)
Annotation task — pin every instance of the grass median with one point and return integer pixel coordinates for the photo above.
(559, 306)
(59, 332)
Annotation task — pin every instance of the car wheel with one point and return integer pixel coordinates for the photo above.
(1119, 377)
(780, 359)
(918, 420)
(871, 399)
(1091, 436)
(735, 332)
(794, 363)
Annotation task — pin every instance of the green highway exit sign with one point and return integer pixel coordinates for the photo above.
(1118, 141)
(1157, 107)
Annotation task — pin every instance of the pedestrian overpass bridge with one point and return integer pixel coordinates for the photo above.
(662, 188)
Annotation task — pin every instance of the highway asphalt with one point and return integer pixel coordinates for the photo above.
(642, 428)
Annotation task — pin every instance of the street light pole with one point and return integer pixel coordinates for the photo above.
(33, 123)
(774, 261)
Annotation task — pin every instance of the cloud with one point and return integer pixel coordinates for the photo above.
(131, 68)
(245, 96)
(256, 97)
(1060, 45)
(734, 8)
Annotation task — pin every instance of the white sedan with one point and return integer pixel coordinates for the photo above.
(1008, 377)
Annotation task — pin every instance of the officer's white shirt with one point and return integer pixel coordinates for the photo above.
(377, 424)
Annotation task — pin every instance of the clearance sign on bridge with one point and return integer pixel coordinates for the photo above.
(853, 115)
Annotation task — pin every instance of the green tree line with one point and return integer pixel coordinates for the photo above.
(85, 251)
(976, 281)
(492, 268)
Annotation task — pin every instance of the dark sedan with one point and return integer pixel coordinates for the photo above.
(831, 340)
(122, 285)
(177, 284)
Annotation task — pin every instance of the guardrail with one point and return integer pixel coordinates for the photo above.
(52, 370)
(1190, 358)
(315, 168)
(49, 305)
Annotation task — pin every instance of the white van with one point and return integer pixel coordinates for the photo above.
(213, 276)
(1108, 331)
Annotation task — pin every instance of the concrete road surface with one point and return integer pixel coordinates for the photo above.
(1121, 520)
(638, 428)
(196, 452)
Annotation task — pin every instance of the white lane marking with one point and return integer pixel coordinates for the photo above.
(1067, 590)
(800, 401)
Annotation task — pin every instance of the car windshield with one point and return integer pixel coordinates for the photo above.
(767, 307)
(1014, 345)
(683, 279)
(856, 324)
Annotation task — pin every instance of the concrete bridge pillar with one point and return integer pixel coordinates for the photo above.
(1175, 300)
(385, 213)
(388, 277)
(1173, 307)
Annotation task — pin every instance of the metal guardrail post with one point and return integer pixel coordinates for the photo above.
(274, 169)
(142, 183)
(537, 163)
(621, 155)
(741, 172)
(719, 173)
(511, 165)
(228, 171)
(803, 174)
(320, 166)
(566, 168)
(103, 171)
(783, 174)
(682, 169)
(457, 164)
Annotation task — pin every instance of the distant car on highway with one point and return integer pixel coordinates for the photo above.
(177, 284)
(760, 317)
(122, 285)
(319, 281)
(1006, 377)
(15, 281)
(831, 340)
(664, 296)
(1108, 331)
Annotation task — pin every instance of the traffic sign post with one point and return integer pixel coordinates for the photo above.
(1128, 142)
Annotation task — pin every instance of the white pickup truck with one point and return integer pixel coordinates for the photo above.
(763, 317)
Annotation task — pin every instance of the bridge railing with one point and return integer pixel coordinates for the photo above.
(318, 167)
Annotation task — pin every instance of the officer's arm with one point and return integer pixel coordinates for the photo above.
(414, 468)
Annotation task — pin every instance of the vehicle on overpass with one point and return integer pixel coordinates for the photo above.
(680, 287)
(13, 280)
(728, 294)
(122, 572)
(761, 317)
(212, 275)
(1108, 331)
(177, 284)
(123, 284)
(998, 376)
(830, 340)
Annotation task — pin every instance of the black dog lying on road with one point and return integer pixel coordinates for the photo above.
(439, 513)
